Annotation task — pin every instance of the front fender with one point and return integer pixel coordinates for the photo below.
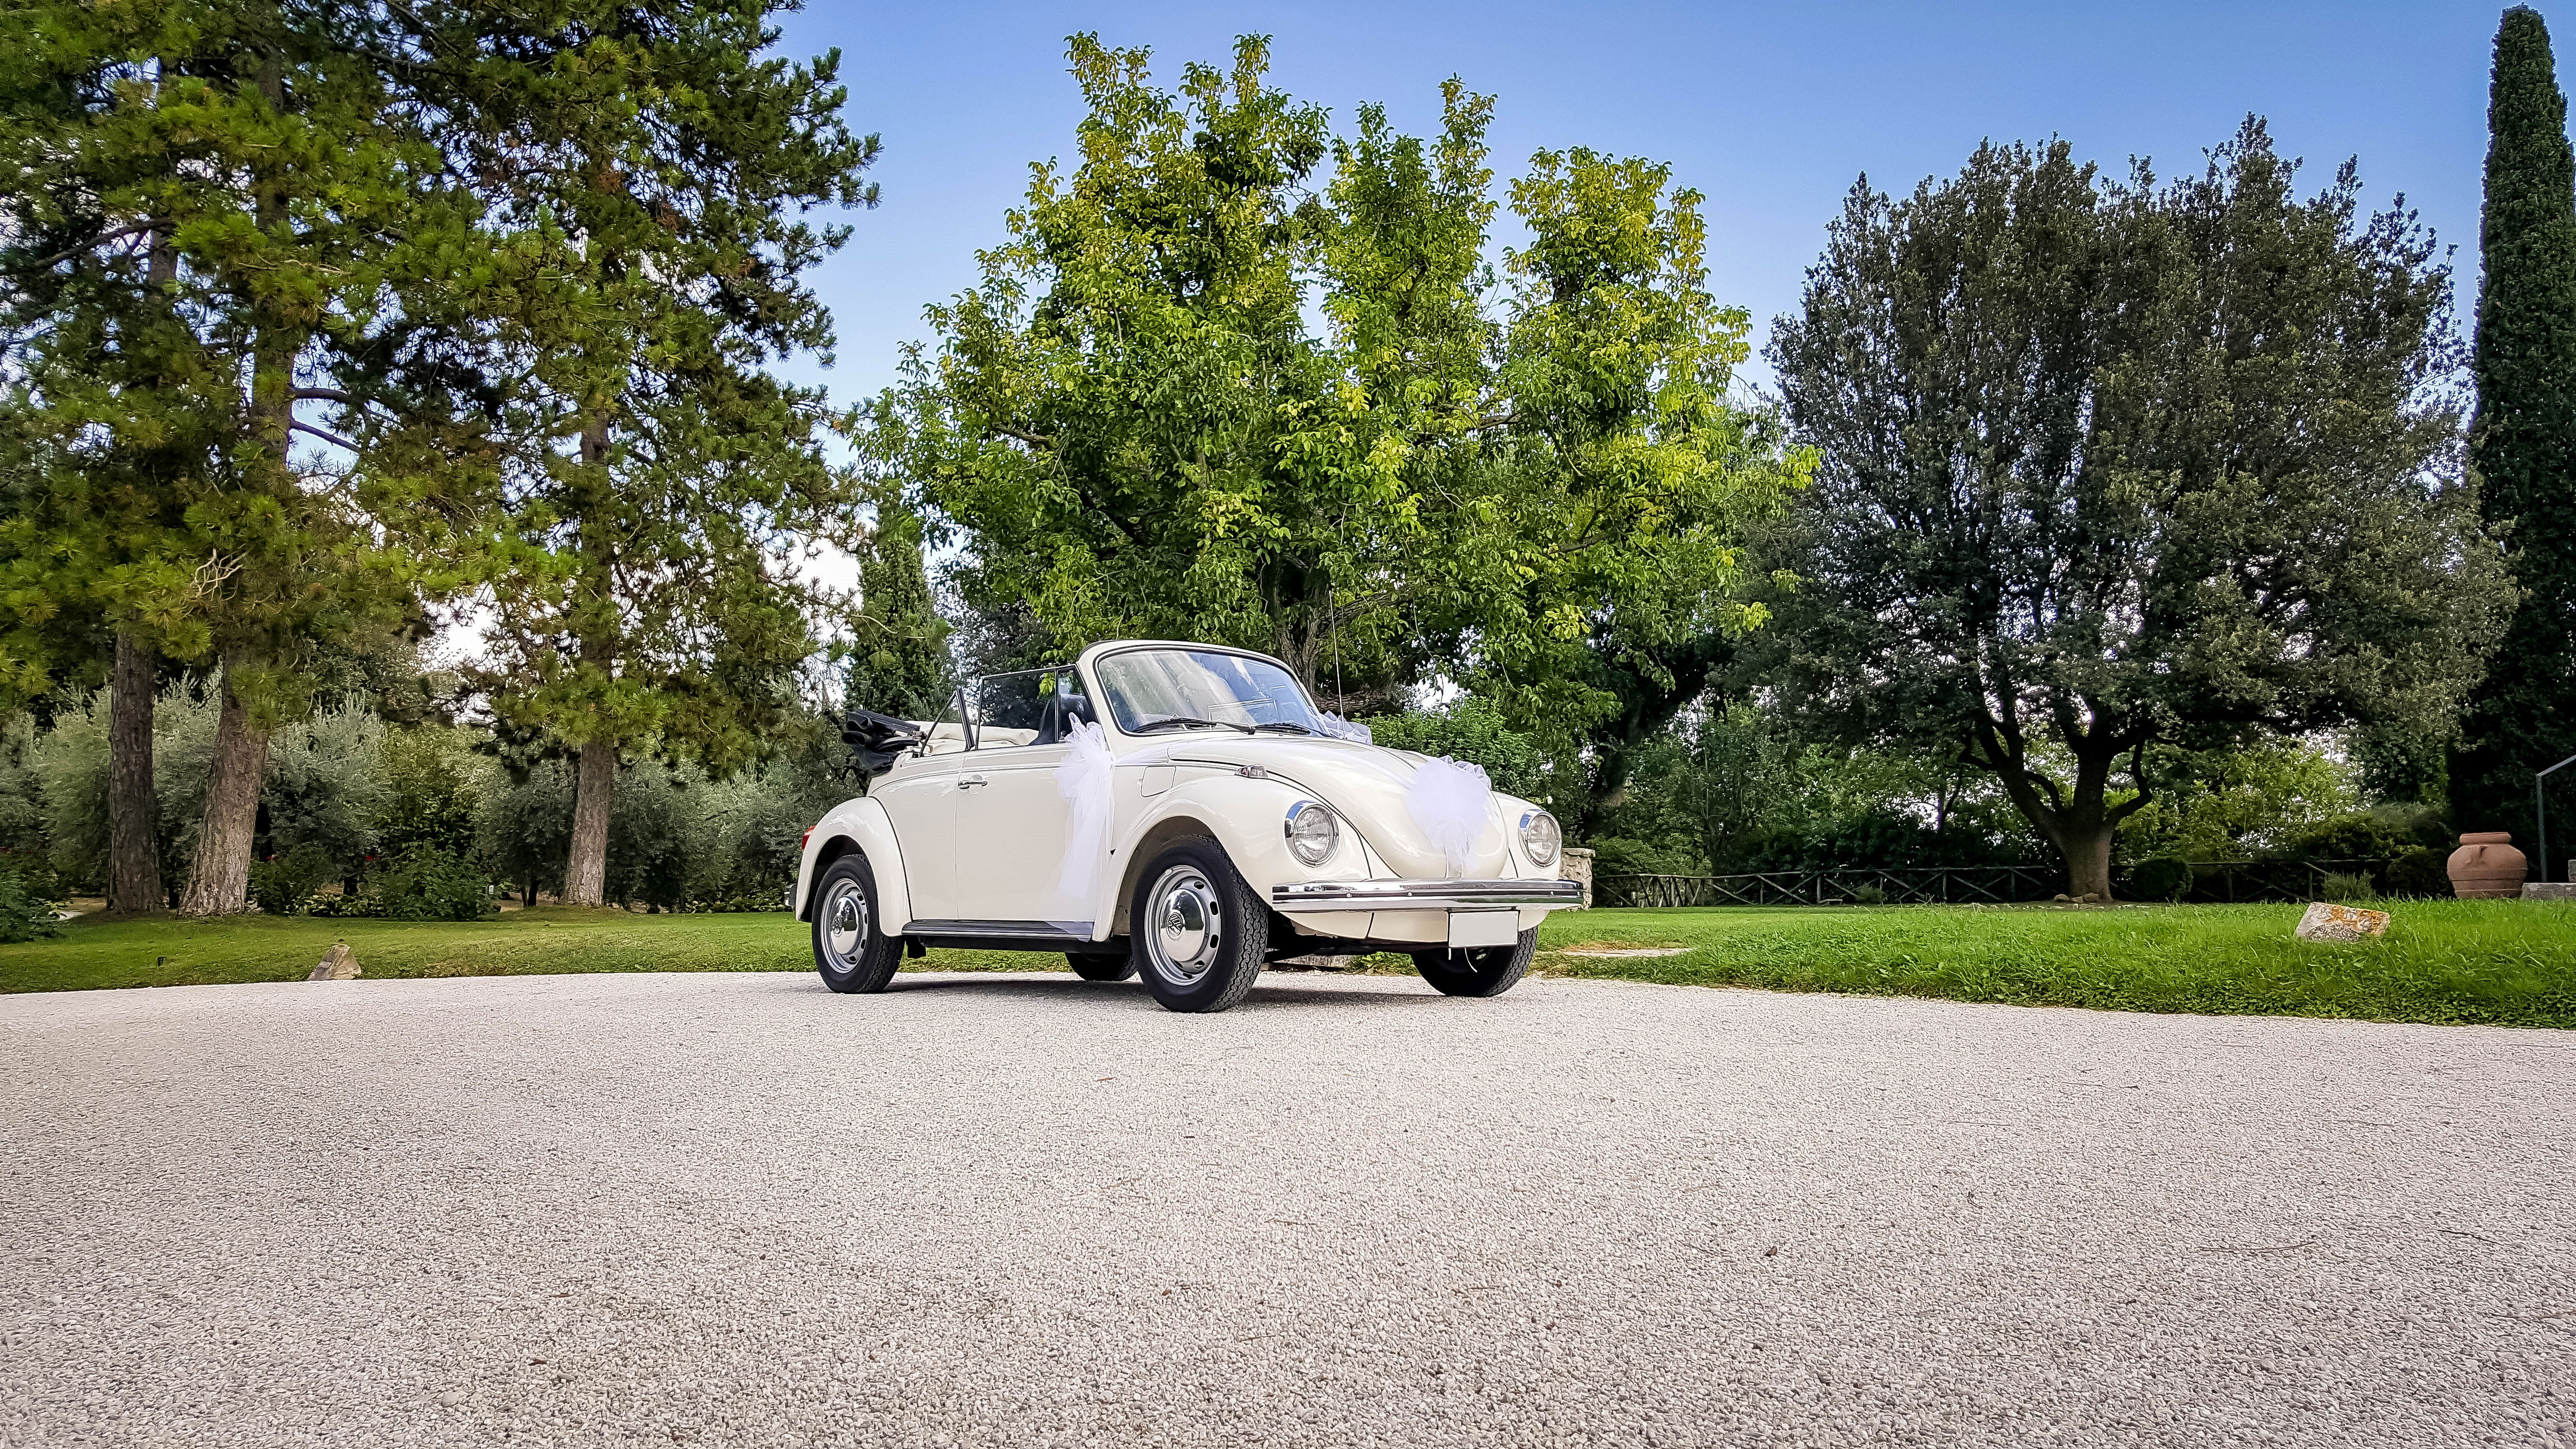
(860, 824)
(1246, 815)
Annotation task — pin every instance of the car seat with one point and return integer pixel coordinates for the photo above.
(1062, 713)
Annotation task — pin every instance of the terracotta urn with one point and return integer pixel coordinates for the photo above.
(2486, 867)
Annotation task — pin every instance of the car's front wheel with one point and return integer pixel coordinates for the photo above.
(1195, 929)
(851, 949)
(1477, 970)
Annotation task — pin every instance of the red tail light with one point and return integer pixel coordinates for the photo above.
(805, 840)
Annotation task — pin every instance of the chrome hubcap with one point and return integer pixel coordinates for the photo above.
(845, 924)
(1188, 926)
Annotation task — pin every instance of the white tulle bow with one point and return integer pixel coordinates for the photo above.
(1450, 801)
(1083, 779)
(1344, 729)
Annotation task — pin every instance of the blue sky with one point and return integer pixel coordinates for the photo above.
(1769, 110)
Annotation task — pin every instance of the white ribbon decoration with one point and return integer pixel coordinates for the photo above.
(1084, 779)
(1451, 802)
(1344, 729)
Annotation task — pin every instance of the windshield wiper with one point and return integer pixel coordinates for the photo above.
(1170, 720)
(1281, 724)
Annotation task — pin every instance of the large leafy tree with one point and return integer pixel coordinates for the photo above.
(2523, 446)
(215, 206)
(1626, 472)
(1134, 425)
(652, 163)
(2109, 465)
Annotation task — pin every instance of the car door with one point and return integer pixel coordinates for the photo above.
(1010, 836)
(920, 799)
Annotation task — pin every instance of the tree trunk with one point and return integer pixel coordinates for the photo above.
(595, 788)
(595, 782)
(219, 879)
(2088, 860)
(2080, 821)
(133, 812)
(219, 874)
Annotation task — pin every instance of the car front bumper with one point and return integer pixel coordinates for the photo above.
(1423, 895)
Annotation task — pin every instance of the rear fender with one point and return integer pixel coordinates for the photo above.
(859, 825)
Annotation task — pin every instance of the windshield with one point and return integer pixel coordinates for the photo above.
(1177, 689)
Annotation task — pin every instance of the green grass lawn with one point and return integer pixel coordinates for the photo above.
(169, 952)
(2505, 962)
(2501, 962)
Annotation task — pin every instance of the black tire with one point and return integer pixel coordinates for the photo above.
(1478, 970)
(1196, 932)
(851, 951)
(1102, 968)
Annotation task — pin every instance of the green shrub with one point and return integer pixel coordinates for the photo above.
(1613, 855)
(2421, 873)
(26, 912)
(2378, 833)
(2162, 878)
(1868, 895)
(285, 886)
(1471, 729)
(431, 885)
(430, 804)
(428, 885)
(37, 872)
(2346, 888)
(364, 903)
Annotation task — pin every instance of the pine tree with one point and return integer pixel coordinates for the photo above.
(214, 204)
(2523, 444)
(644, 550)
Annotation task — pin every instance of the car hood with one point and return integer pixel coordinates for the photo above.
(1365, 784)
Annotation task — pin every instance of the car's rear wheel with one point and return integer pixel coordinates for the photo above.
(1477, 970)
(852, 952)
(1195, 929)
(1102, 968)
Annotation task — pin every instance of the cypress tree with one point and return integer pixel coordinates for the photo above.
(2523, 446)
(899, 663)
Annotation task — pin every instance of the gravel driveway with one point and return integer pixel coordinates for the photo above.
(735, 1209)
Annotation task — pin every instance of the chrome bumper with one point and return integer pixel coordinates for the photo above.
(1423, 895)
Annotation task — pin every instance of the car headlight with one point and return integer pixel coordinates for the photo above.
(1540, 837)
(1312, 832)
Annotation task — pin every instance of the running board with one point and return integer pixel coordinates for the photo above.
(1003, 935)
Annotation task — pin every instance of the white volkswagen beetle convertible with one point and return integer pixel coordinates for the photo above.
(1180, 810)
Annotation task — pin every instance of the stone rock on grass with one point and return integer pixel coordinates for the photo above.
(337, 964)
(2326, 921)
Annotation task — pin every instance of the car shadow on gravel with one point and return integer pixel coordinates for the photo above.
(1263, 994)
(1283, 995)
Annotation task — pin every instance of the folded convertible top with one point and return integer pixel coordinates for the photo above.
(875, 740)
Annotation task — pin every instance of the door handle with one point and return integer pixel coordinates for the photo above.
(969, 782)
